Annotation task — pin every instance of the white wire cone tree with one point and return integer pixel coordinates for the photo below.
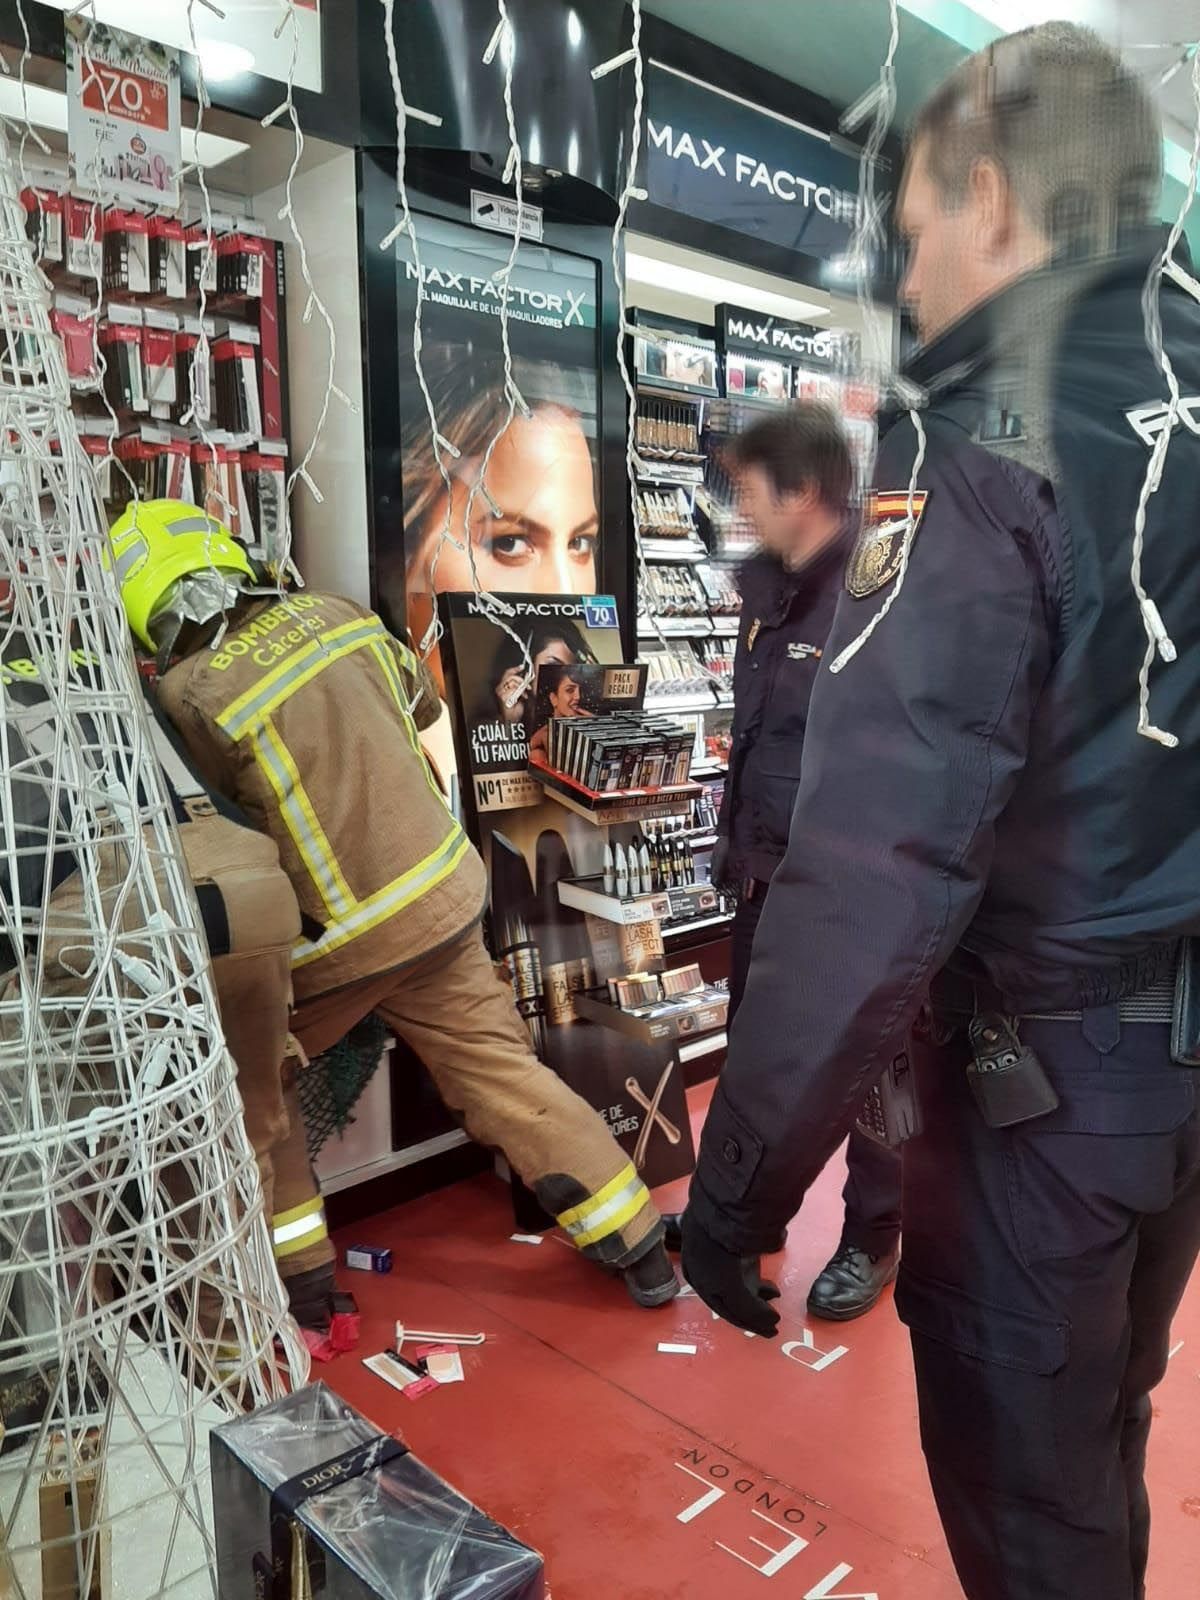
(138, 1294)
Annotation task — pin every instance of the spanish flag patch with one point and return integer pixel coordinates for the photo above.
(879, 550)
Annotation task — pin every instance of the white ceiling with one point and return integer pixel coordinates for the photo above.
(253, 24)
(1151, 35)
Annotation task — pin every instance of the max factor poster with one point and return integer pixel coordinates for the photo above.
(539, 528)
(492, 705)
(553, 952)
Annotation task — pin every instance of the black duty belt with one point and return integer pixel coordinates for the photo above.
(1156, 1004)
(957, 995)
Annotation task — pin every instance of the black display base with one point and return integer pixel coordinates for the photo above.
(376, 1195)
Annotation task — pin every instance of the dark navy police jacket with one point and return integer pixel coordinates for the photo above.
(786, 618)
(975, 791)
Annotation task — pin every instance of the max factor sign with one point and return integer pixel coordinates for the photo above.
(741, 167)
(718, 159)
(798, 341)
(553, 304)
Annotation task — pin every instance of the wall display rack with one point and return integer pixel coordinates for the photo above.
(175, 341)
(693, 534)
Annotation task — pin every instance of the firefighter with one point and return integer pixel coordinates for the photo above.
(305, 712)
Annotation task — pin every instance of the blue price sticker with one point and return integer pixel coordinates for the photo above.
(600, 611)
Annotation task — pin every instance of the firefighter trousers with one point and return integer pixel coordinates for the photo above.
(458, 1015)
(259, 921)
(253, 984)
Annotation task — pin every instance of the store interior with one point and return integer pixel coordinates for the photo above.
(249, 350)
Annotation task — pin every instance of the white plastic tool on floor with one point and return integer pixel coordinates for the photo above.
(405, 1335)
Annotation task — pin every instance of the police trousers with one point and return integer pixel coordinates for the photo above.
(871, 1196)
(1042, 1267)
(457, 1014)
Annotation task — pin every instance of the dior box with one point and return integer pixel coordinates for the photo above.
(312, 1502)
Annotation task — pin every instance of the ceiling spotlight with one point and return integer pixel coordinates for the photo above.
(222, 61)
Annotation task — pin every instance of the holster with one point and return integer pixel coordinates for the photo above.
(1185, 1018)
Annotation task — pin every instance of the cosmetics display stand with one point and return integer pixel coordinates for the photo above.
(696, 1014)
(618, 806)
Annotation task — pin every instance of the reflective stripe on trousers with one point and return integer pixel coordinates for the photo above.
(295, 1230)
(607, 1211)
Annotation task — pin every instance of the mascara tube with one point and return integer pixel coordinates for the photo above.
(622, 866)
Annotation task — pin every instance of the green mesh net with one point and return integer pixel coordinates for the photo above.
(331, 1084)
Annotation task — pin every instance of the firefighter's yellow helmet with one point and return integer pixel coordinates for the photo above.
(155, 543)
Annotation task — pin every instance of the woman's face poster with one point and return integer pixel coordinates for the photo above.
(526, 519)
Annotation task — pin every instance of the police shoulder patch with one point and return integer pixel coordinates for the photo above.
(879, 549)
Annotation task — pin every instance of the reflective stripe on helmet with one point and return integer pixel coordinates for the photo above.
(126, 561)
(200, 524)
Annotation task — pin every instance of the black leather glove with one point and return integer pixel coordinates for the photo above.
(729, 1284)
(718, 864)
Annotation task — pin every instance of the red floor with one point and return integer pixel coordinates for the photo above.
(644, 1476)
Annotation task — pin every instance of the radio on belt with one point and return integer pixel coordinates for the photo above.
(368, 1258)
(891, 1113)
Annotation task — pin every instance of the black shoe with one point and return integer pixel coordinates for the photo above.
(851, 1284)
(673, 1231)
(651, 1279)
(309, 1294)
(673, 1234)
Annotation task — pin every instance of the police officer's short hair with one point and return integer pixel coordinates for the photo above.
(1075, 131)
(802, 446)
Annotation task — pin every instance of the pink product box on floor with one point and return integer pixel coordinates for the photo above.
(311, 1500)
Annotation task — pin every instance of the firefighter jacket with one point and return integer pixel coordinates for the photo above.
(306, 716)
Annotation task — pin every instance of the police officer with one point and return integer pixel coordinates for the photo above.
(992, 819)
(795, 481)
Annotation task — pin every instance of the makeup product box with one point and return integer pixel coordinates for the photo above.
(126, 252)
(310, 1499)
(657, 1021)
(44, 223)
(168, 258)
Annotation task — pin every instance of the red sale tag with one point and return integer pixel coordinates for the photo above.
(129, 95)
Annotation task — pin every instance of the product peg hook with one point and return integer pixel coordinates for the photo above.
(406, 1335)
